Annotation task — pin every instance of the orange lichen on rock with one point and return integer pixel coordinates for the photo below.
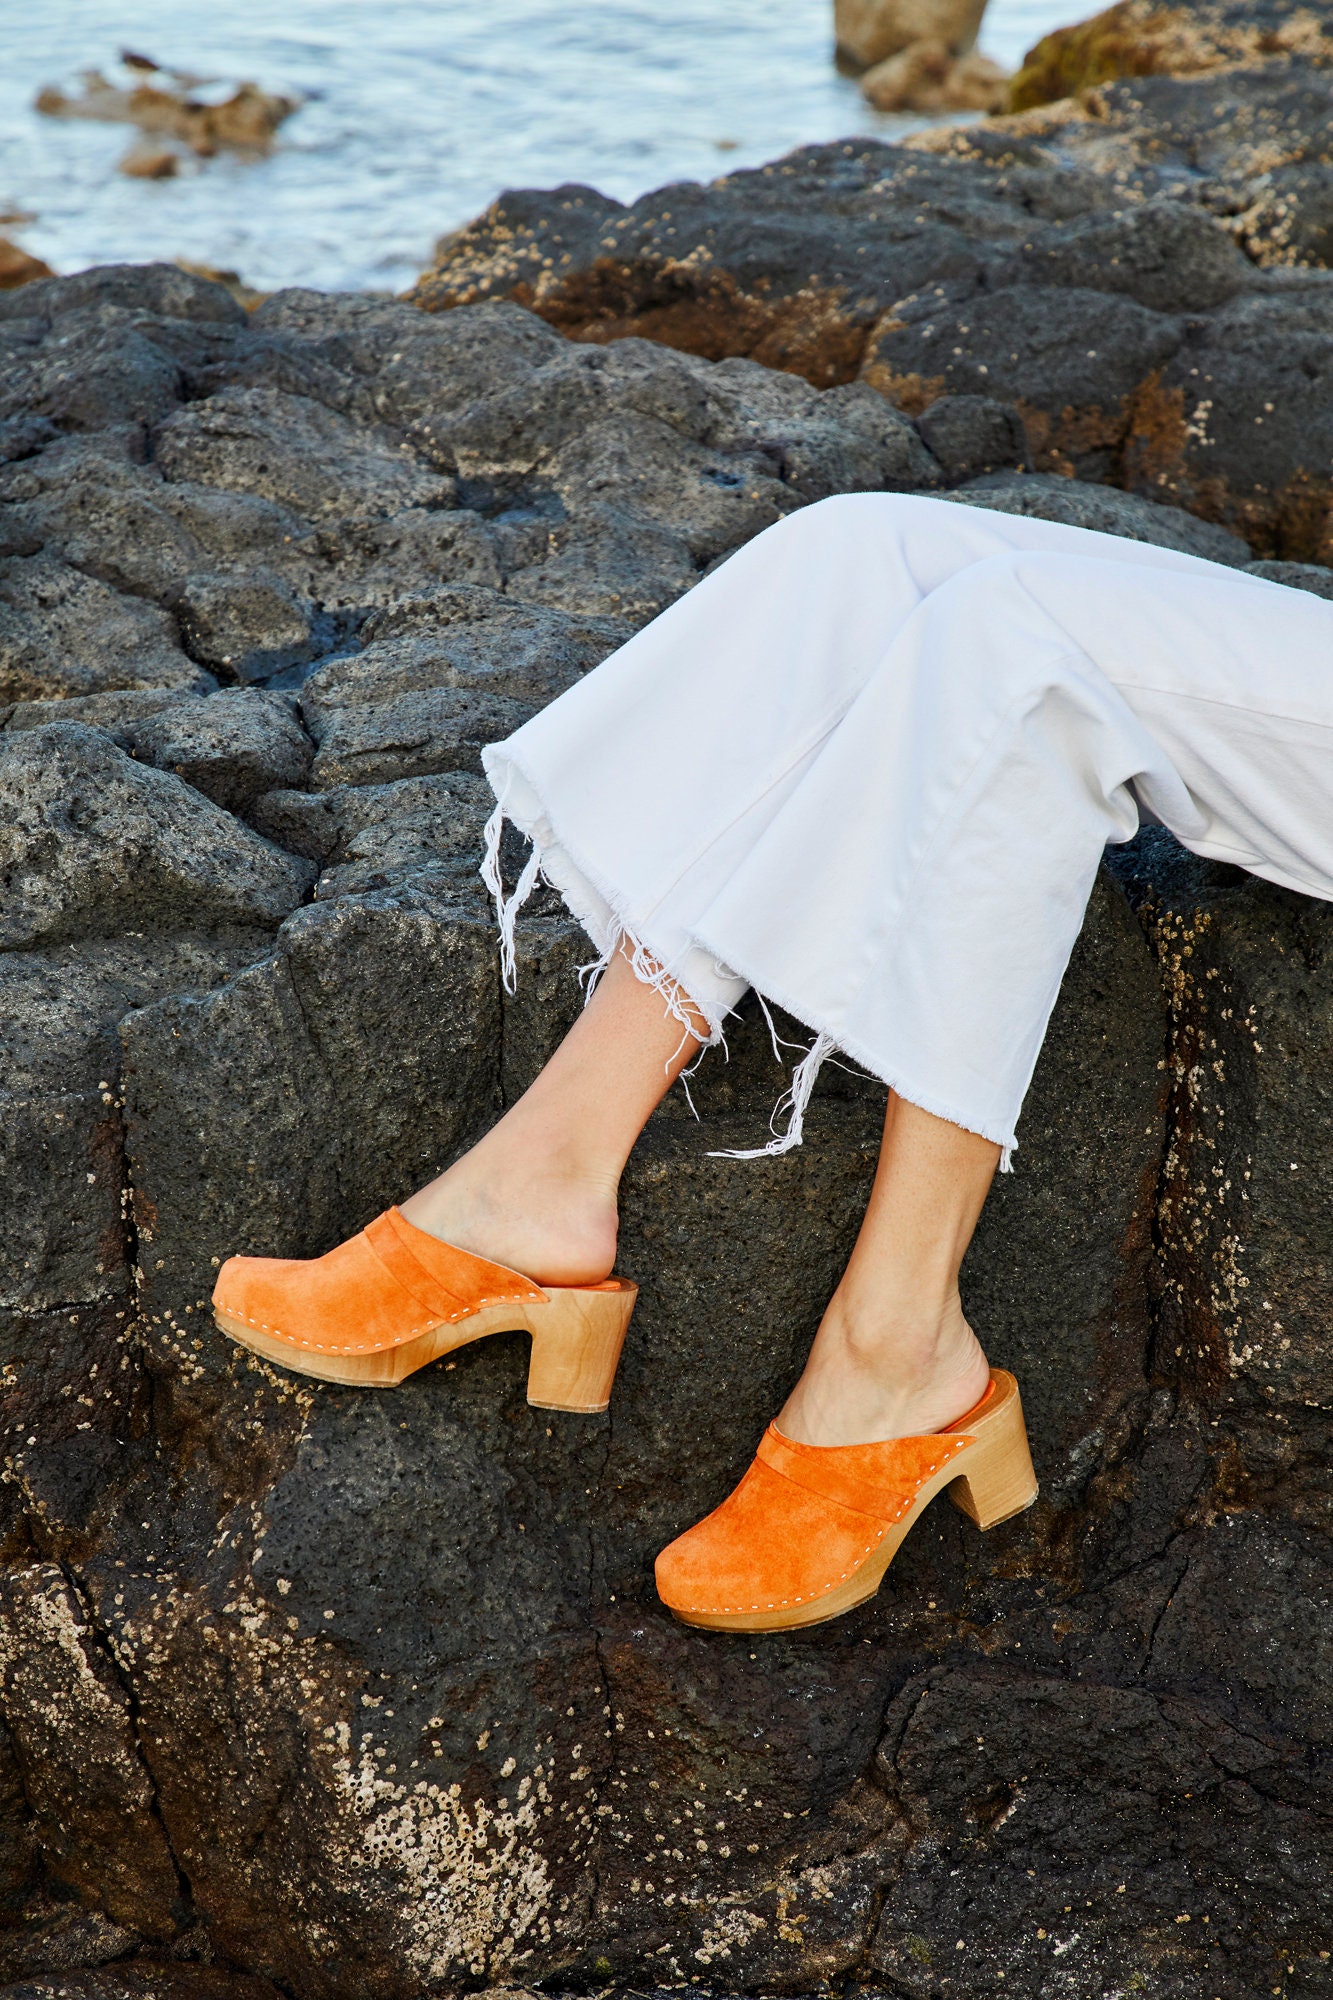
(1143, 38)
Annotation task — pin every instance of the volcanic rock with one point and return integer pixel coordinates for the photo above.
(355, 1697)
(1143, 38)
(1298, 576)
(92, 844)
(1108, 512)
(1141, 271)
(64, 633)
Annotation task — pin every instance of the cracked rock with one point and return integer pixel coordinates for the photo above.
(92, 844)
(62, 633)
(384, 1676)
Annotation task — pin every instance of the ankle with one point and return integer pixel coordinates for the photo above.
(886, 1369)
(914, 1337)
(553, 1217)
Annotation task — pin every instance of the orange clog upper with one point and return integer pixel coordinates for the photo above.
(382, 1287)
(803, 1518)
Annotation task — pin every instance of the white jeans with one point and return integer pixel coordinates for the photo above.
(870, 764)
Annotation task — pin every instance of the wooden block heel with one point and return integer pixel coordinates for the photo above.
(811, 1530)
(999, 1481)
(393, 1299)
(576, 1343)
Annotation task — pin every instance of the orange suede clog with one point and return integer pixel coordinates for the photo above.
(394, 1298)
(811, 1529)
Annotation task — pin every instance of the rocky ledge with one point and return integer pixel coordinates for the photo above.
(1141, 267)
(341, 1694)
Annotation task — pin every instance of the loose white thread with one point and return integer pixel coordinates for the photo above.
(797, 1096)
(650, 972)
(778, 1043)
(506, 912)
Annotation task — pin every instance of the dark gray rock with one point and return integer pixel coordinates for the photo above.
(379, 563)
(117, 519)
(370, 1696)
(365, 837)
(1167, 254)
(1239, 424)
(1072, 359)
(1246, 1245)
(409, 736)
(90, 375)
(62, 633)
(294, 452)
(232, 746)
(1102, 508)
(144, 1979)
(1118, 267)
(466, 638)
(790, 264)
(119, 712)
(95, 845)
(244, 628)
(972, 435)
(61, 1138)
(165, 289)
(720, 1337)
(1296, 576)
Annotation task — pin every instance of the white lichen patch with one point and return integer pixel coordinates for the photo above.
(55, 1697)
(472, 1878)
(46, 1623)
(731, 1930)
(449, 1886)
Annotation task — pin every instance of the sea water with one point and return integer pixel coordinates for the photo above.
(417, 113)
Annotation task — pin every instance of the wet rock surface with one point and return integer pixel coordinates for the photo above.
(337, 1694)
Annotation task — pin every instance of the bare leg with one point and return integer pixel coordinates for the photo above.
(894, 1356)
(538, 1193)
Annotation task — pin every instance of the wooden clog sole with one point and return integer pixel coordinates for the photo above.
(577, 1335)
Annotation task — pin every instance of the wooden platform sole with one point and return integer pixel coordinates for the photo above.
(577, 1335)
(990, 1482)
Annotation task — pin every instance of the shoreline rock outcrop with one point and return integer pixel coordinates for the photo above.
(19, 267)
(1143, 271)
(329, 1694)
(334, 1696)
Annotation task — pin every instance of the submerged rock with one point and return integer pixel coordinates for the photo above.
(169, 108)
(338, 1695)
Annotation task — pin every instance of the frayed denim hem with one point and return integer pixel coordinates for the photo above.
(612, 935)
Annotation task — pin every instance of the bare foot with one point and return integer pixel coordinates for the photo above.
(877, 1373)
(558, 1228)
